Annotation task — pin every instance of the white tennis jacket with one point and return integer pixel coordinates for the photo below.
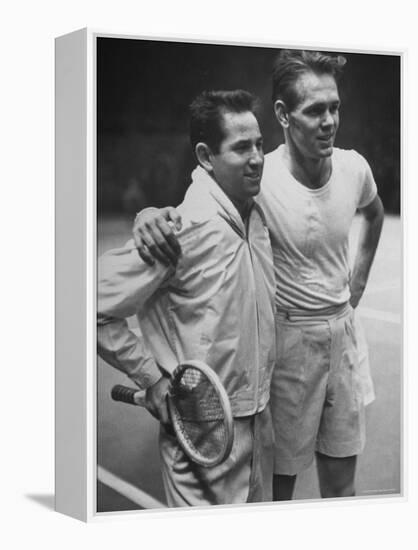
(216, 305)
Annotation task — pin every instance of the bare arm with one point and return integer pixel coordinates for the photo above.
(371, 228)
(154, 237)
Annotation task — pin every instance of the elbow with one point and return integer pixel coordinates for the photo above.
(375, 212)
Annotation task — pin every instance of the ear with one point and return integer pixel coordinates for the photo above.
(204, 156)
(282, 113)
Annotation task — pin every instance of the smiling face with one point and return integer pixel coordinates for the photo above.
(238, 165)
(313, 123)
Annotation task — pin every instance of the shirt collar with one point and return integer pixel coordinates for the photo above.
(204, 183)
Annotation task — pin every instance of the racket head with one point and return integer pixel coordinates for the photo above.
(201, 413)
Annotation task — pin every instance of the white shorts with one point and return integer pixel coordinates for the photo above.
(316, 398)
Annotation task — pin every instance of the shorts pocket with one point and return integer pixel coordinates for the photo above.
(289, 375)
(351, 361)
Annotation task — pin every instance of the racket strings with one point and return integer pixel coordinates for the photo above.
(199, 414)
(197, 399)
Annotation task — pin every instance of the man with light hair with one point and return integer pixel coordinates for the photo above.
(310, 193)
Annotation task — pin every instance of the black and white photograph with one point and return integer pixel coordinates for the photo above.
(209, 275)
(249, 274)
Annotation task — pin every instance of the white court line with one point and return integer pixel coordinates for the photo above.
(379, 315)
(144, 500)
(128, 490)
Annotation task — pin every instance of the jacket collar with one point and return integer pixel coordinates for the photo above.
(204, 184)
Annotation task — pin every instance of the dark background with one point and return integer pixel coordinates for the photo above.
(144, 157)
(144, 89)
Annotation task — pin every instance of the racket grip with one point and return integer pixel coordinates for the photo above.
(127, 395)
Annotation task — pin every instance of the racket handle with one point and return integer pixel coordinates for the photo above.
(128, 395)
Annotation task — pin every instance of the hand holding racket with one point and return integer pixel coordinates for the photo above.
(199, 409)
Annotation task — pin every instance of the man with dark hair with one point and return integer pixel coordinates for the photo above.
(202, 308)
(206, 113)
(310, 193)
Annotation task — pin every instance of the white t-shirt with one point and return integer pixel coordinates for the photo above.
(309, 228)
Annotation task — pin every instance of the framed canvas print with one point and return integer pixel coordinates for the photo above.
(228, 274)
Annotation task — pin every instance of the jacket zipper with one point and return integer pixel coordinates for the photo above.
(247, 240)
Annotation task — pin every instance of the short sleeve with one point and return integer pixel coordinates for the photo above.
(368, 187)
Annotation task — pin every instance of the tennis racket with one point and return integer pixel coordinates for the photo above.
(200, 412)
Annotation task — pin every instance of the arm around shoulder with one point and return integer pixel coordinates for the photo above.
(154, 237)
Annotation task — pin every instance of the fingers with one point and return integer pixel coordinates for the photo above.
(149, 242)
(156, 244)
(354, 302)
(154, 236)
(152, 406)
(159, 412)
(172, 215)
(163, 413)
(139, 398)
(137, 234)
(169, 243)
(143, 250)
(156, 400)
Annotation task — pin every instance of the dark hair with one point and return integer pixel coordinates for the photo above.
(206, 113)
(290, 64)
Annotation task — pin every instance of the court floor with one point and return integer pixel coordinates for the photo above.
(128, 464)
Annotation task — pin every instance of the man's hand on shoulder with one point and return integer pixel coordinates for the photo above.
(156, 400)
(154, 236)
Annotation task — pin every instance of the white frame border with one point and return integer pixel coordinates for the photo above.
(83, 478)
